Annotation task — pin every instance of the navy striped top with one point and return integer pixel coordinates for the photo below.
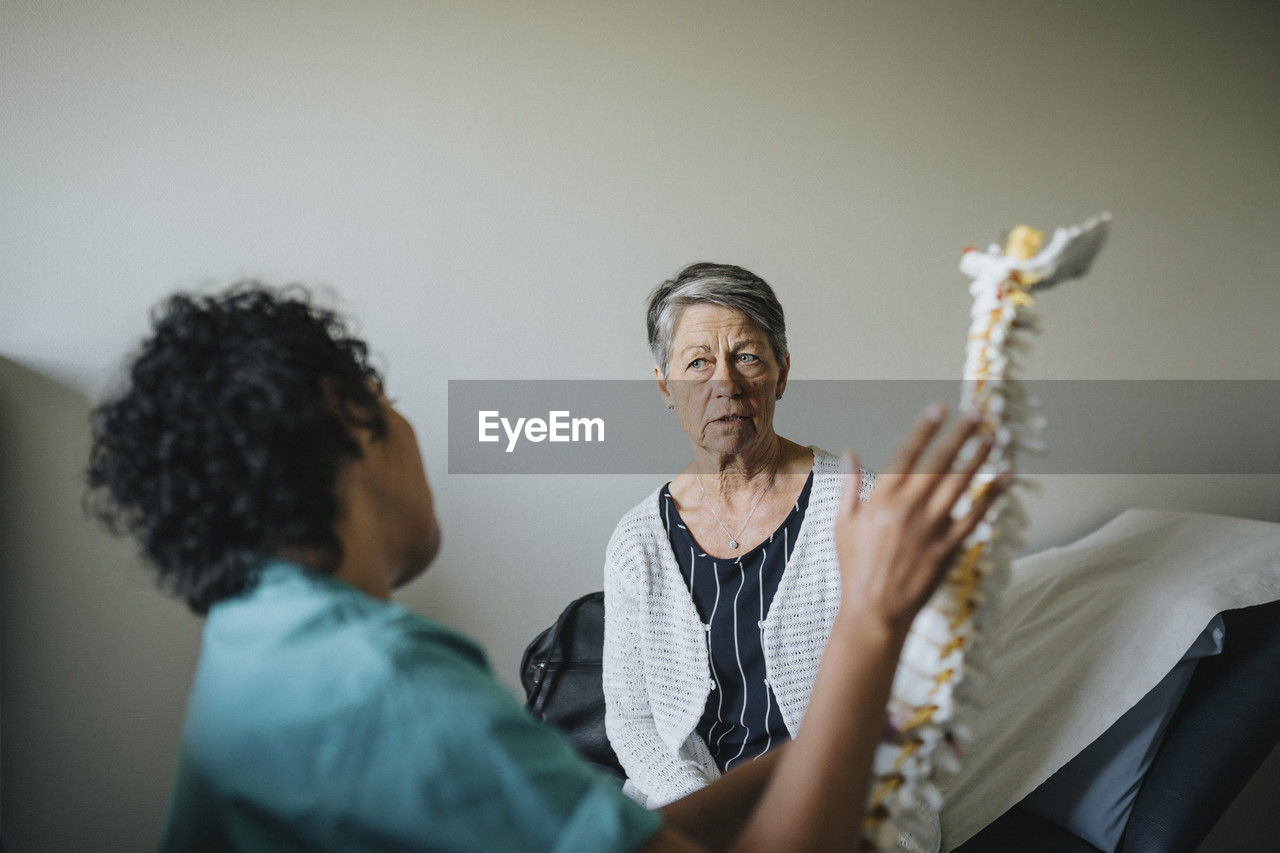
(741, 719)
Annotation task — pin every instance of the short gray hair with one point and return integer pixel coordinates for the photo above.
(717, 284)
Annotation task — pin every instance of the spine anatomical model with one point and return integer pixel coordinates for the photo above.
(942, 661)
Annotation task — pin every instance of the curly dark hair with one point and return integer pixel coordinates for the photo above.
(224, 444)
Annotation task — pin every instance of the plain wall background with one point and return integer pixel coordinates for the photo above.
(492, 188)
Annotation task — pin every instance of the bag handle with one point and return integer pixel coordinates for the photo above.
(538, 696)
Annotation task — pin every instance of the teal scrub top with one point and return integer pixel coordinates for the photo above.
(322, 718)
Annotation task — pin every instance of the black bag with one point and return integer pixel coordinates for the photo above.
(561, 674)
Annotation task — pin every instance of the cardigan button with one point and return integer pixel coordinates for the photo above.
(711, 683)
(707, 627)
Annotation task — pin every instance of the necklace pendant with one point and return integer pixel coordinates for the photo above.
(733, 543)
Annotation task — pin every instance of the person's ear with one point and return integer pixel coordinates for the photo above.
(357, 422)
(663, 390)
(784, 370)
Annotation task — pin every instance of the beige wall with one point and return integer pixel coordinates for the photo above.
(492, 188)
(96, 664)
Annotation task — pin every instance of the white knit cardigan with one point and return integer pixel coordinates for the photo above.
(657, 673)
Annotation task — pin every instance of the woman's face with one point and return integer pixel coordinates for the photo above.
(407, 503)
(723, 380)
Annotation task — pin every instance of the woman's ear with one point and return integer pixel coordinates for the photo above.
(784, 370)
(663, 390)
(357, 422)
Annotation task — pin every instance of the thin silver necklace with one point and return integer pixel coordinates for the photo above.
(733, 540)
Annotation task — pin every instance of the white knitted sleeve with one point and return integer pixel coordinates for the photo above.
(654, 769)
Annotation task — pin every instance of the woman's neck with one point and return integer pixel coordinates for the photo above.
(727, 476)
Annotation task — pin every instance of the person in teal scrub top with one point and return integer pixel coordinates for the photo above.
(274, 487)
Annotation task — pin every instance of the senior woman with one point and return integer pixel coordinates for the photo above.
(721, 587)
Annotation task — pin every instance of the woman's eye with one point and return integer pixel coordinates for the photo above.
(697, 363)
(747, 358)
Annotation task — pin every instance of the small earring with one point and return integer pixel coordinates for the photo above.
(779, 397)
(671, 407)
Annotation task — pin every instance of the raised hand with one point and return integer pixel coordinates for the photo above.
(894, 547)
